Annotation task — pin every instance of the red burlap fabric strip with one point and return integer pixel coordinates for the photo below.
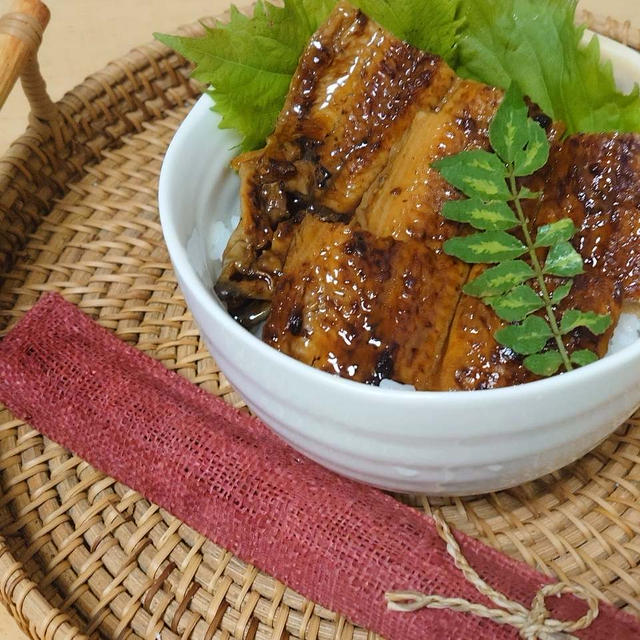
(337, 542)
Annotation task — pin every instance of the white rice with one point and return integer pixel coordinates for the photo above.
(627, 331)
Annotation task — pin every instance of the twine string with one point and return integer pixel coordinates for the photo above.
(23, 27)
(532, 624)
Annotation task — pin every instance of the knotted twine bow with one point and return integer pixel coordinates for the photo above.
(533, 624)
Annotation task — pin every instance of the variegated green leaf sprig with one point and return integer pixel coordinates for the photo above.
(494, 208)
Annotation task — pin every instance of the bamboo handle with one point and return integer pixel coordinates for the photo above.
(20, 36)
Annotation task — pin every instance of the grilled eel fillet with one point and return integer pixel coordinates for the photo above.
(356, 90)
(364, 307)
(403, 203)
(406, 199)
(335, 152)
(593, 179)
(472, 358)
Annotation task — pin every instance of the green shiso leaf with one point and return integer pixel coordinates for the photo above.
(532, 44)
(537, 45)
(249, 62)
(431, 25)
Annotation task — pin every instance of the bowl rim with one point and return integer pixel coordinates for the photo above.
(182, 265)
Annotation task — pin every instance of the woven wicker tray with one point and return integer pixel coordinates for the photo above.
(82, 555)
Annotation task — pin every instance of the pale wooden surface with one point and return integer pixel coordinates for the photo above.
(85, 34)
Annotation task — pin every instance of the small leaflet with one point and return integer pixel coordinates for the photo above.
(499, 279)
(485, 248)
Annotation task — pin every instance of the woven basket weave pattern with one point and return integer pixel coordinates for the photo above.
(83, 556)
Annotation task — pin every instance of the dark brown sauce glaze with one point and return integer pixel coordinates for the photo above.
(472, 359)
(595, 180)
(363, 307)
(356, 90)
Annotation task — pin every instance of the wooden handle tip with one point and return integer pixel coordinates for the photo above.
(33, 8)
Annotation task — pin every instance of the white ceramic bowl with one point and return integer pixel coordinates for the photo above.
(453, 443)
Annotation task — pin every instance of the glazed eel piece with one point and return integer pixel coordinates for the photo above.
(363, 307)
(473, 360)
(355, 92)
(394, 332)
(406, 199)
(593, 179)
